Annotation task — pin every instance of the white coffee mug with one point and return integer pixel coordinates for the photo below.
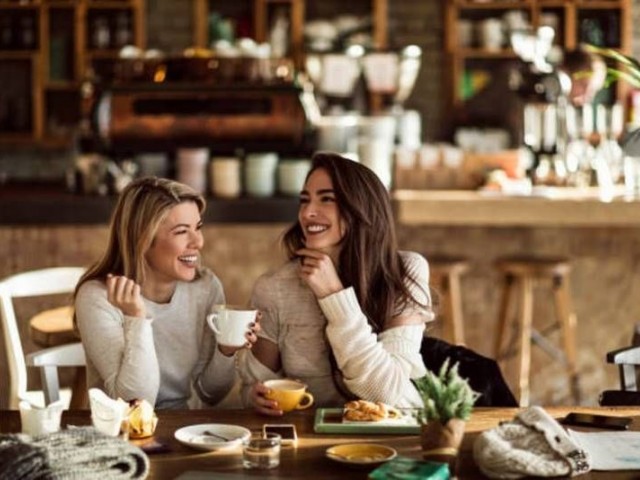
(230, 324)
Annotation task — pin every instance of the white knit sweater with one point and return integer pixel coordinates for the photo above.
(375, 367)
(160, 358)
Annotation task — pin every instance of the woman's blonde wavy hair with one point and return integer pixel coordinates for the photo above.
(140, 209)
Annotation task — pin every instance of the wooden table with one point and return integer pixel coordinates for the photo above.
(307, 460)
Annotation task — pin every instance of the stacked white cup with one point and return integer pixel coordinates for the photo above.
(191, 164)
(224, 177)
(260, 174)
(410, 129)
(291, 176)
(375, 145)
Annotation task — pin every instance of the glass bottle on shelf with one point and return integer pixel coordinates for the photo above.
(28, 34)
(6, 33)
(123, 35)
(101, 33)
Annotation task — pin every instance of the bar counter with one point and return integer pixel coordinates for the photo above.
(565, 207)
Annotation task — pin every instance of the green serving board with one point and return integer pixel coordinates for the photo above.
(329, 420)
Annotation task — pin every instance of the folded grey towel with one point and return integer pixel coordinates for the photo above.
(79, 453)
(21, 461)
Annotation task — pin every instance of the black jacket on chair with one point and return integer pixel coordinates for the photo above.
(483, 373)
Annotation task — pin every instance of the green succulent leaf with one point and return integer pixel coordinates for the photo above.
(445, 395)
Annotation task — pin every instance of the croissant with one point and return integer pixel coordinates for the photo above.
(366, 411)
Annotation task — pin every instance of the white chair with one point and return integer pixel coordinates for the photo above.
(48, 281)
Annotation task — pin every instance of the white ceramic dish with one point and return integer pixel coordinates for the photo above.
(195, 436)
(361, 454)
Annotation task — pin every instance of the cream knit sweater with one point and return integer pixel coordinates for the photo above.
(375, 367)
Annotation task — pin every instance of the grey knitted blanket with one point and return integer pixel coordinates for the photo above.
(79, 453)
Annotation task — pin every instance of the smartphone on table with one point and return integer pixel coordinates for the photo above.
(287, 432)
(597, 421)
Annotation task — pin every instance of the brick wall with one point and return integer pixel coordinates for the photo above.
(421, 23)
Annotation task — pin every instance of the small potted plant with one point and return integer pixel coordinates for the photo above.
(448, 400)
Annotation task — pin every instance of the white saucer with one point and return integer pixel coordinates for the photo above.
(194, 436)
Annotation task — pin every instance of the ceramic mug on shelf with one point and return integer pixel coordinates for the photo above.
(492, 34)
(260, 174)
(224, 177)
(231, 323)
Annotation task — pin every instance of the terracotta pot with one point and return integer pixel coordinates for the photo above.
(442, 440)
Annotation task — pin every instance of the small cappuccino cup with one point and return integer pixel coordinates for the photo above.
(231, 323)
(290, 394)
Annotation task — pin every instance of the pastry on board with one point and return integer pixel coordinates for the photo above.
(142, 419)
(366, 411)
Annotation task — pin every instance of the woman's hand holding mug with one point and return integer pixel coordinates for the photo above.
(278, 396)
(235, 328)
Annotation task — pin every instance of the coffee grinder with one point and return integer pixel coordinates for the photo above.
(544, 90)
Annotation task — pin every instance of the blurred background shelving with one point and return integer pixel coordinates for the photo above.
(46, 49)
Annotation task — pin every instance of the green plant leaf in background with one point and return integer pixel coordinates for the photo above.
(627, 68)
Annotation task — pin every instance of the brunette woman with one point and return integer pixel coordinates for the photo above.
(346, 314)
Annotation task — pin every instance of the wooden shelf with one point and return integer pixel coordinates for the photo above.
(379, 14)
(105, 54)
(570, 13)
(55, 4)
(124, 4)
(470, 5)
(17, 138)
(63, 29)
(470, 53)
(18, 54)
(60, 85)
(19, 6)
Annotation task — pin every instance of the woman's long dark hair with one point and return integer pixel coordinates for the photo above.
(369, 259)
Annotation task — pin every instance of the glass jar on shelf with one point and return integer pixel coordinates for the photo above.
(101, 34)
(28, 33)
(6, 33)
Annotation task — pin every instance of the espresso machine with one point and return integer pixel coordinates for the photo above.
(204, 100)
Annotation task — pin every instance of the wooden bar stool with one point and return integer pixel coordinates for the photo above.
(54, 327)
(445, 279)
(519, 276)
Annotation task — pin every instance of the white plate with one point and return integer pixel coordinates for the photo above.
(194, 436)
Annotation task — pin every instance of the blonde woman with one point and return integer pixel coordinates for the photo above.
(141, 309)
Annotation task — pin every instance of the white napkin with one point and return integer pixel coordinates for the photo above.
(40, 421)
(107, 414)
